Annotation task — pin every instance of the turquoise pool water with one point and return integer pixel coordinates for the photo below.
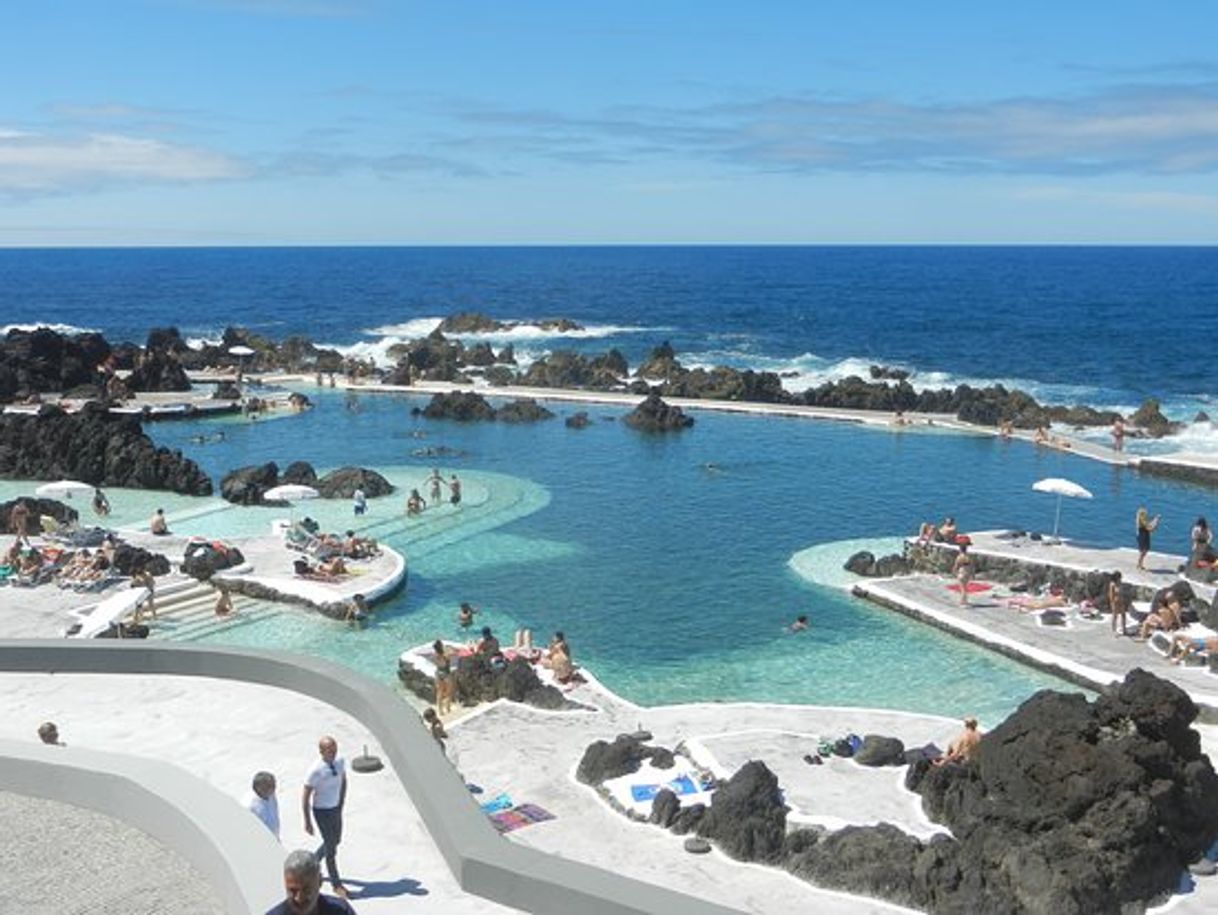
(672, 579)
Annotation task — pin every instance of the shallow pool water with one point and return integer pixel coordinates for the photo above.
(672, 563)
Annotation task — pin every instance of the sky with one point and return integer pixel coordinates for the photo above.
(392, 122)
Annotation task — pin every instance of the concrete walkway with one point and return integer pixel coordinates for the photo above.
(1083, 650)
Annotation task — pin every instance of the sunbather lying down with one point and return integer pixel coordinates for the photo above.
(324, 571)
(1038, 603)
(1186, 646)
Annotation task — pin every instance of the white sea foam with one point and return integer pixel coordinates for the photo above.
(421, 327)
(200, 342)
(409, 330)
(66, 329)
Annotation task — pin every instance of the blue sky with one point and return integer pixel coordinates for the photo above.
(671, 121)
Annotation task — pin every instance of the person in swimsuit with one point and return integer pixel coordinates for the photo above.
(1116, 605)
(1145, 526)
(962, 568)
(445, 685)
(1184, 646)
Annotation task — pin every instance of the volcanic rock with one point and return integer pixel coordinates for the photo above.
(300, 473)
(342, 483)
(523, 410)
(1151, 420)
(577, 420)
(747, 817)
(602, 760)
(470, 322)
(654, 415)
(880, 751)
(247, 485)
(463, 406)
(43, 360)
(94, 447)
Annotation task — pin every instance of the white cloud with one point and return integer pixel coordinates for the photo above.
(37, 164)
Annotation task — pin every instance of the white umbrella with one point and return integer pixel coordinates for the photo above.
(63, 489)
(290, 492)
(241, 351)
(1059, 487)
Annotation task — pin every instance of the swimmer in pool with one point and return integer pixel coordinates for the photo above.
(800, 624)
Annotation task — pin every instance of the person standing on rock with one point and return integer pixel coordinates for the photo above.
(323, 798)
(1145, 526)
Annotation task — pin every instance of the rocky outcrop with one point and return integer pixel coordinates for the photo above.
(747, 818)
(1075, 806)
(523, 410)
(470, 322)
(203, 559)
(722, 383)
(342, 483)
(42, 360)
(160, 368)
(654, 415)
(866, 564)
(300, 473)
(128, 559)
(566, 369)
(477, 680)
(878, 750)
(463, 406)
(1150, 419)
(578, 420)
(886, 373)
(603, 760)
(661, 364)
(247, 485)
(94, 447)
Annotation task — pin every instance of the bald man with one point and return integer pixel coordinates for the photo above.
(325, 793)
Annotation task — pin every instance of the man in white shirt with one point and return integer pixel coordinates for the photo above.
(263, 803)
(325, 793)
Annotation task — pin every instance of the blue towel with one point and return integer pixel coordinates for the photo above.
(497, 803)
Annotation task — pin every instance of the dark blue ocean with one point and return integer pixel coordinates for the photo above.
(1106, 325)
(674, 581)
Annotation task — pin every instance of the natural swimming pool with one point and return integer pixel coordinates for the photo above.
(671, 577)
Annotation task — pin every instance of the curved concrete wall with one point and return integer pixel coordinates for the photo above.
(233, 852)
(483, 862)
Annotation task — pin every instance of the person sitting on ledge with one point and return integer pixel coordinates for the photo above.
(947, 530)
(1186, 646)
(1165, 617)
(488, 645)
(158, 525)
(1040, 436)
(224, 601)
(359, 547)
(964, 748)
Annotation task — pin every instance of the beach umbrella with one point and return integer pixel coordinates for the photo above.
(290, 493)
(63, 489)
(241, 352)
(1062, 489)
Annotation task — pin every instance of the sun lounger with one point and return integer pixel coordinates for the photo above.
(110, 611)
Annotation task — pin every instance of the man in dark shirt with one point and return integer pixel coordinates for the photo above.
(302, 883)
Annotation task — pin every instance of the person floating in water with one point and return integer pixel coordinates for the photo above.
(800, 624)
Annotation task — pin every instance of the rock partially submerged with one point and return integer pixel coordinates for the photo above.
(477, 680)
(654, 415)
(467, 406)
